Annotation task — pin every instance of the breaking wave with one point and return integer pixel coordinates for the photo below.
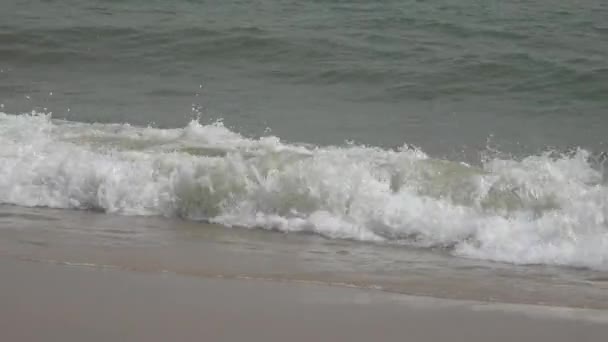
(550, 208)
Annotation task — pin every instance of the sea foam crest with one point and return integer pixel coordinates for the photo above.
(547, 208)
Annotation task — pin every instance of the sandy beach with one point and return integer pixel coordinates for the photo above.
(50, 302)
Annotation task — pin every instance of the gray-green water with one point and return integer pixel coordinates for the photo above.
(322, 103)
(443, 75)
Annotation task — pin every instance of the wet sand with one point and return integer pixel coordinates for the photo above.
(50, 302)
(154, 245)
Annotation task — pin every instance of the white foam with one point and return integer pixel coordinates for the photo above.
(541, 209)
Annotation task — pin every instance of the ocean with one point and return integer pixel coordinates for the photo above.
(389, 139)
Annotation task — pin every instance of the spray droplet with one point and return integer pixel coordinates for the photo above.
(50, 93)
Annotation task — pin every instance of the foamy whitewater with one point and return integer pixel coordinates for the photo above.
(547, 209)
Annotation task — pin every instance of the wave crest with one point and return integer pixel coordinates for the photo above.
(548, 208)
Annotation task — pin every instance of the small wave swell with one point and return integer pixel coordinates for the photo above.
(550, 208)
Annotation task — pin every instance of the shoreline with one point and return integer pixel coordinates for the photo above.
(155, 245)
(502, 302)
(57, 302)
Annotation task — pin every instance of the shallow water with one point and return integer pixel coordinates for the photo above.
(160, 245)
